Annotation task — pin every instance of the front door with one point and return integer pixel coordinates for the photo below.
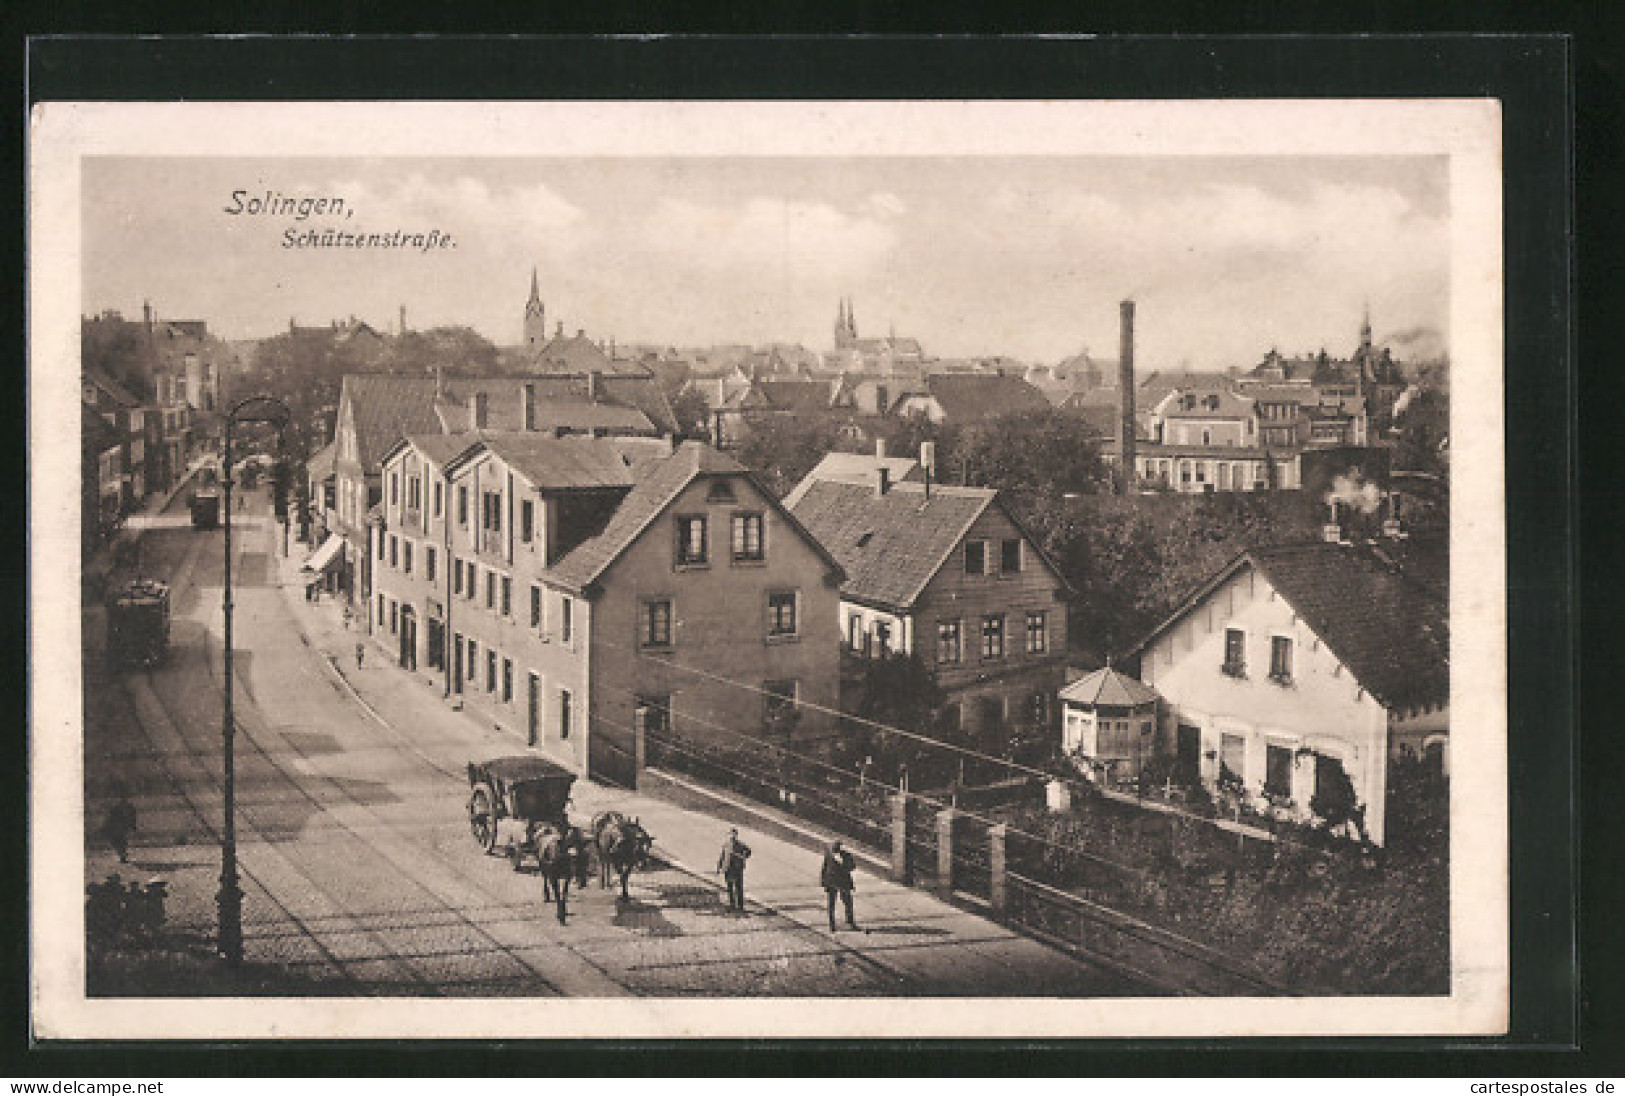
(533, 710)
(457, 662)
(1189, 755)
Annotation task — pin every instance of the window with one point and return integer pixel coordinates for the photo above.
(781, 613)
(472, 587)
(1201, 471)
(882, 638)
(1280, 659)
(380, 546)
(778, 705)
(507, 680)
(428, 562)
(747, 538)
(439, 501)
(462, 505)
(1037, 633)
(490, 671)
(1010, 556)
(854, 631)
(414, 493)
(721, 491)
(490, 589)
(535, 606)
(1235, 652)
(1277, 770)
(975, 557)
(656, 631)
(950, 643)
(394, 617)
(473, 661)
(564, 713)
(527, 520)
(394, 488)
(456, 575)
(566, 619)
(691, 546)
(394, 550)
(993, 637)
(406, 557)
(507, 596)
(381, 604)
(1184, 471)
(491, 511)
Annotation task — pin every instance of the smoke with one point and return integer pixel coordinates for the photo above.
(1355, 493)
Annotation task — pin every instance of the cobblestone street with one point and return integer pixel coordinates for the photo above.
(359, 871)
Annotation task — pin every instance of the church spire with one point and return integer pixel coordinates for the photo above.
(535, 314)
(1365, 327)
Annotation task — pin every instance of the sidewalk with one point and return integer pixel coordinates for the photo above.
(919, 944)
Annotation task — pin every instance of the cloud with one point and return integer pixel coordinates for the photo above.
(523, 217)
(818, 239)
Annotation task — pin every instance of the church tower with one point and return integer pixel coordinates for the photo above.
(846, 331)
(535, 316)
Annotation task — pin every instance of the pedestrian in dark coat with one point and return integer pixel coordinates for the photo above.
(118, 827)
(836, 877)
(360, 653)
(732, 866)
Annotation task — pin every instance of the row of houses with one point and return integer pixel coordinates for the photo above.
(150, 398)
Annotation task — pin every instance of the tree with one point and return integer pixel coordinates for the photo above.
(784, 448)
(693, 415)
(1334, 801)
(1032, 454)
(1423, 428)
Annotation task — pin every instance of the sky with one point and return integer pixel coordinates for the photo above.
(1028, 257)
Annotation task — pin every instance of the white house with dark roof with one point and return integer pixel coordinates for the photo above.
(1295, 659)
(945, 573)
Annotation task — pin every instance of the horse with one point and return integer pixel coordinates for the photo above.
(561, 855)
(623, 845)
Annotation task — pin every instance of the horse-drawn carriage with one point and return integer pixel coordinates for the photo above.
(518, 808)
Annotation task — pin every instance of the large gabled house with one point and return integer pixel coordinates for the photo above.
(946, 574)
(377, 410)
(1296, 661)
(961, 398)
(597, 592)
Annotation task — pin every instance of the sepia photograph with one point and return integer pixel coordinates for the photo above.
(731, 569)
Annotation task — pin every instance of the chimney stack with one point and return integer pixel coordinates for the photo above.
(1125, 398)
(880, 448)
(403, 320)
(928, 462)
(477, 411)
(439, 383)
(1332, 531)
(882, 481)
(1391, 526)
(594, 380)
(528, 406)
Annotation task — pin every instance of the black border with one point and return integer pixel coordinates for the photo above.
(1532, 78)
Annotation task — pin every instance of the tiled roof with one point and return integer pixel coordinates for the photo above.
(1210, 404)
(562, 463)
(858, 468)
(101, 379)
(1382, 610)
(656, 486)
(889, 545)
(971, 397)
(1110, 688)
(388, 408)
(320, 463)
(796, 395)
(442, 449)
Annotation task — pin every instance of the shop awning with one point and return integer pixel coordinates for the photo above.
(331, 552)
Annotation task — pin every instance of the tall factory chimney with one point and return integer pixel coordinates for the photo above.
(1125, 402)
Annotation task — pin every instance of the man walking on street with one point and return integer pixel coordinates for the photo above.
(836, 877)
(732, 866)
(360, 653)
(119, 825)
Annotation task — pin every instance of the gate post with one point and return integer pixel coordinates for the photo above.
(997, 893)
(945, 851)
(899, 837)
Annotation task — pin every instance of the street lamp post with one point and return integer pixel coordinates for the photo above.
(230, 899)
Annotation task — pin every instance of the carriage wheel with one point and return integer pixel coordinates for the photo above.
(482, 820)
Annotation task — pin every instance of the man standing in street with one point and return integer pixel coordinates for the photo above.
(731, 864)
(360, 653)
(836, 877)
